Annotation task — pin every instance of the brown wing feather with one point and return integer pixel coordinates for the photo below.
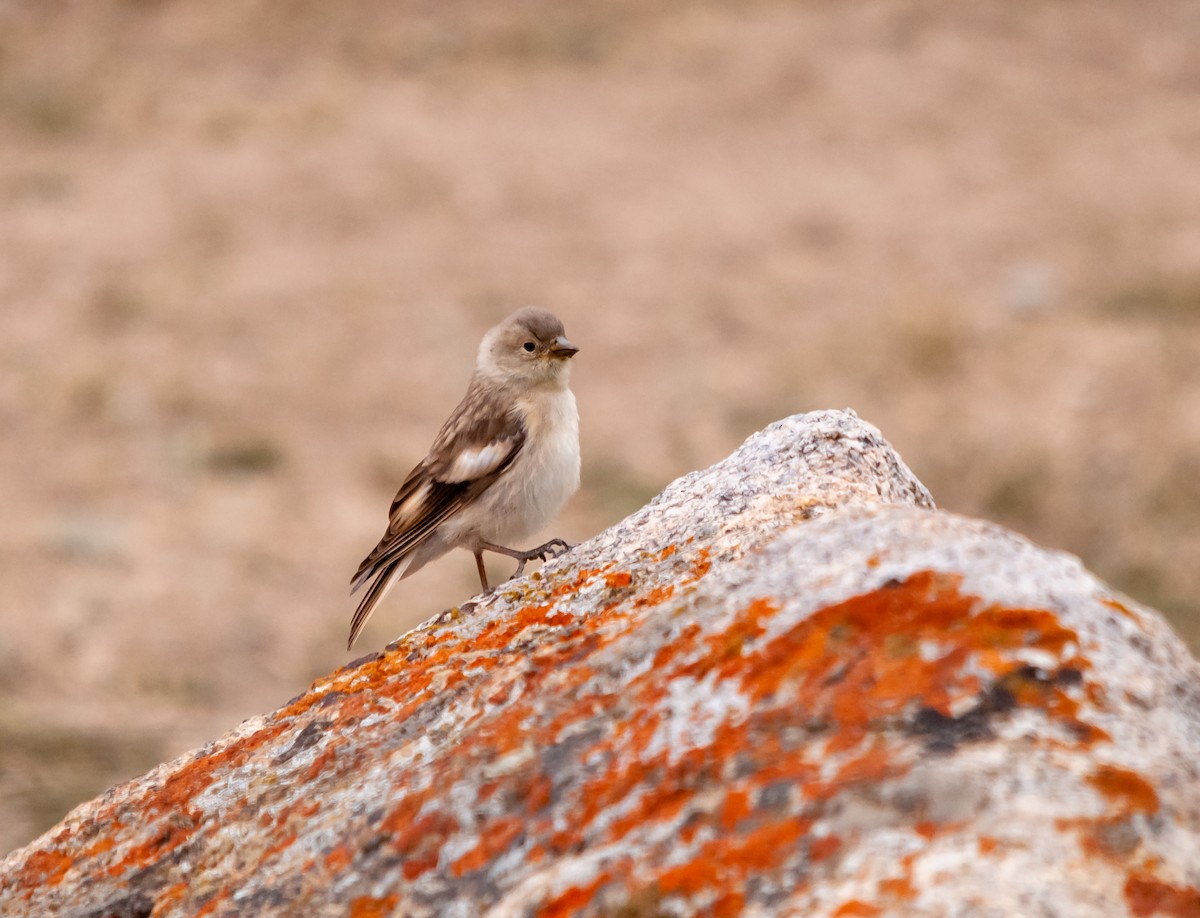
(408, 530)
(436, 489)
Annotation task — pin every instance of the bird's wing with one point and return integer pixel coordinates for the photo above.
(475, 446)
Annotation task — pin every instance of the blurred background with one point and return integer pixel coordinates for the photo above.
(248, 248)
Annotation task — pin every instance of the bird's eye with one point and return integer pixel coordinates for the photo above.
(529, 346)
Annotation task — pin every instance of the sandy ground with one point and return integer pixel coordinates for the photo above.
(248, 249)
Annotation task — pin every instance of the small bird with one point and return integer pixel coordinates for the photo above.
(500, 468)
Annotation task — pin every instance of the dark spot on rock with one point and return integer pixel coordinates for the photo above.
(943, 734)
(329, 698)
(558, 758)
(363, 660)
(307, 737)
(1081, 731)
(271, 897)
(1118, 839)
(836, 674)
(135, 905)
(1065, 675)
(776, 795)
(1142, 644)
(1068, 675)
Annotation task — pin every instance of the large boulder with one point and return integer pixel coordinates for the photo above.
(787, 686)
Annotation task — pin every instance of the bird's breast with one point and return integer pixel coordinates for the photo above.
(546, 471)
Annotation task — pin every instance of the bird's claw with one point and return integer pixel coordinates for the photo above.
(555, 548)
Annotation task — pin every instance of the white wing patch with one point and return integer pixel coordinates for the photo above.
(413, 504)
(477, 461)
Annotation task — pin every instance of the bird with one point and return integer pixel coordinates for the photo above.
(502, 466)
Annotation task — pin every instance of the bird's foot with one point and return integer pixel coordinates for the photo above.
(555, 548)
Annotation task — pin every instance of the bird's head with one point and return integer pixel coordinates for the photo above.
(530, 347)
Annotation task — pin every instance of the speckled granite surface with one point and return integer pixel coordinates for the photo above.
(788, 686)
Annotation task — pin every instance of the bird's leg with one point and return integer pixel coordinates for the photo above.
(552, 549)
(482, 570)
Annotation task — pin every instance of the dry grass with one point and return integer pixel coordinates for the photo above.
(248, 249)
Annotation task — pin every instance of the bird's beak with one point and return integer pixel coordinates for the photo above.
(562, 348)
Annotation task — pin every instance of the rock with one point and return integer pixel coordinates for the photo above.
(788, 686)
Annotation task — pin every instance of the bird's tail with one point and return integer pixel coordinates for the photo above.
(385, 580)
(365, 570)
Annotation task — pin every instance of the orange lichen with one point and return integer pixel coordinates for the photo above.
(44, 868)
(657, 595)
(282, 841)
(169, 897)
(686, 878)
(735, 809)
(370, 907)
(987, 844)
(1148, 895)
(856, 907)
(99, 846)
(660, 806)
(699, 567)
(418, 836)
(926, 830)
(877, 676)
(1113, 836)
(211, 904)
(537, 794)
(812, 709)
(303, 809)
(326, 755)
(685, 642)
(823, 848)
(168, 837)
(339, 858)
(494, 840)
(876, 762)
(618, 581)
(726, 647)
(473, 860)
(415, 866)
(353, 679)
(570, 902)
(762, 849)
(723, 864)
(898, 888)
(846, 662)
(729, 905)
(582, 577)
(1122, 608)
(1127, 788)
(539, 615)
(174, 797)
